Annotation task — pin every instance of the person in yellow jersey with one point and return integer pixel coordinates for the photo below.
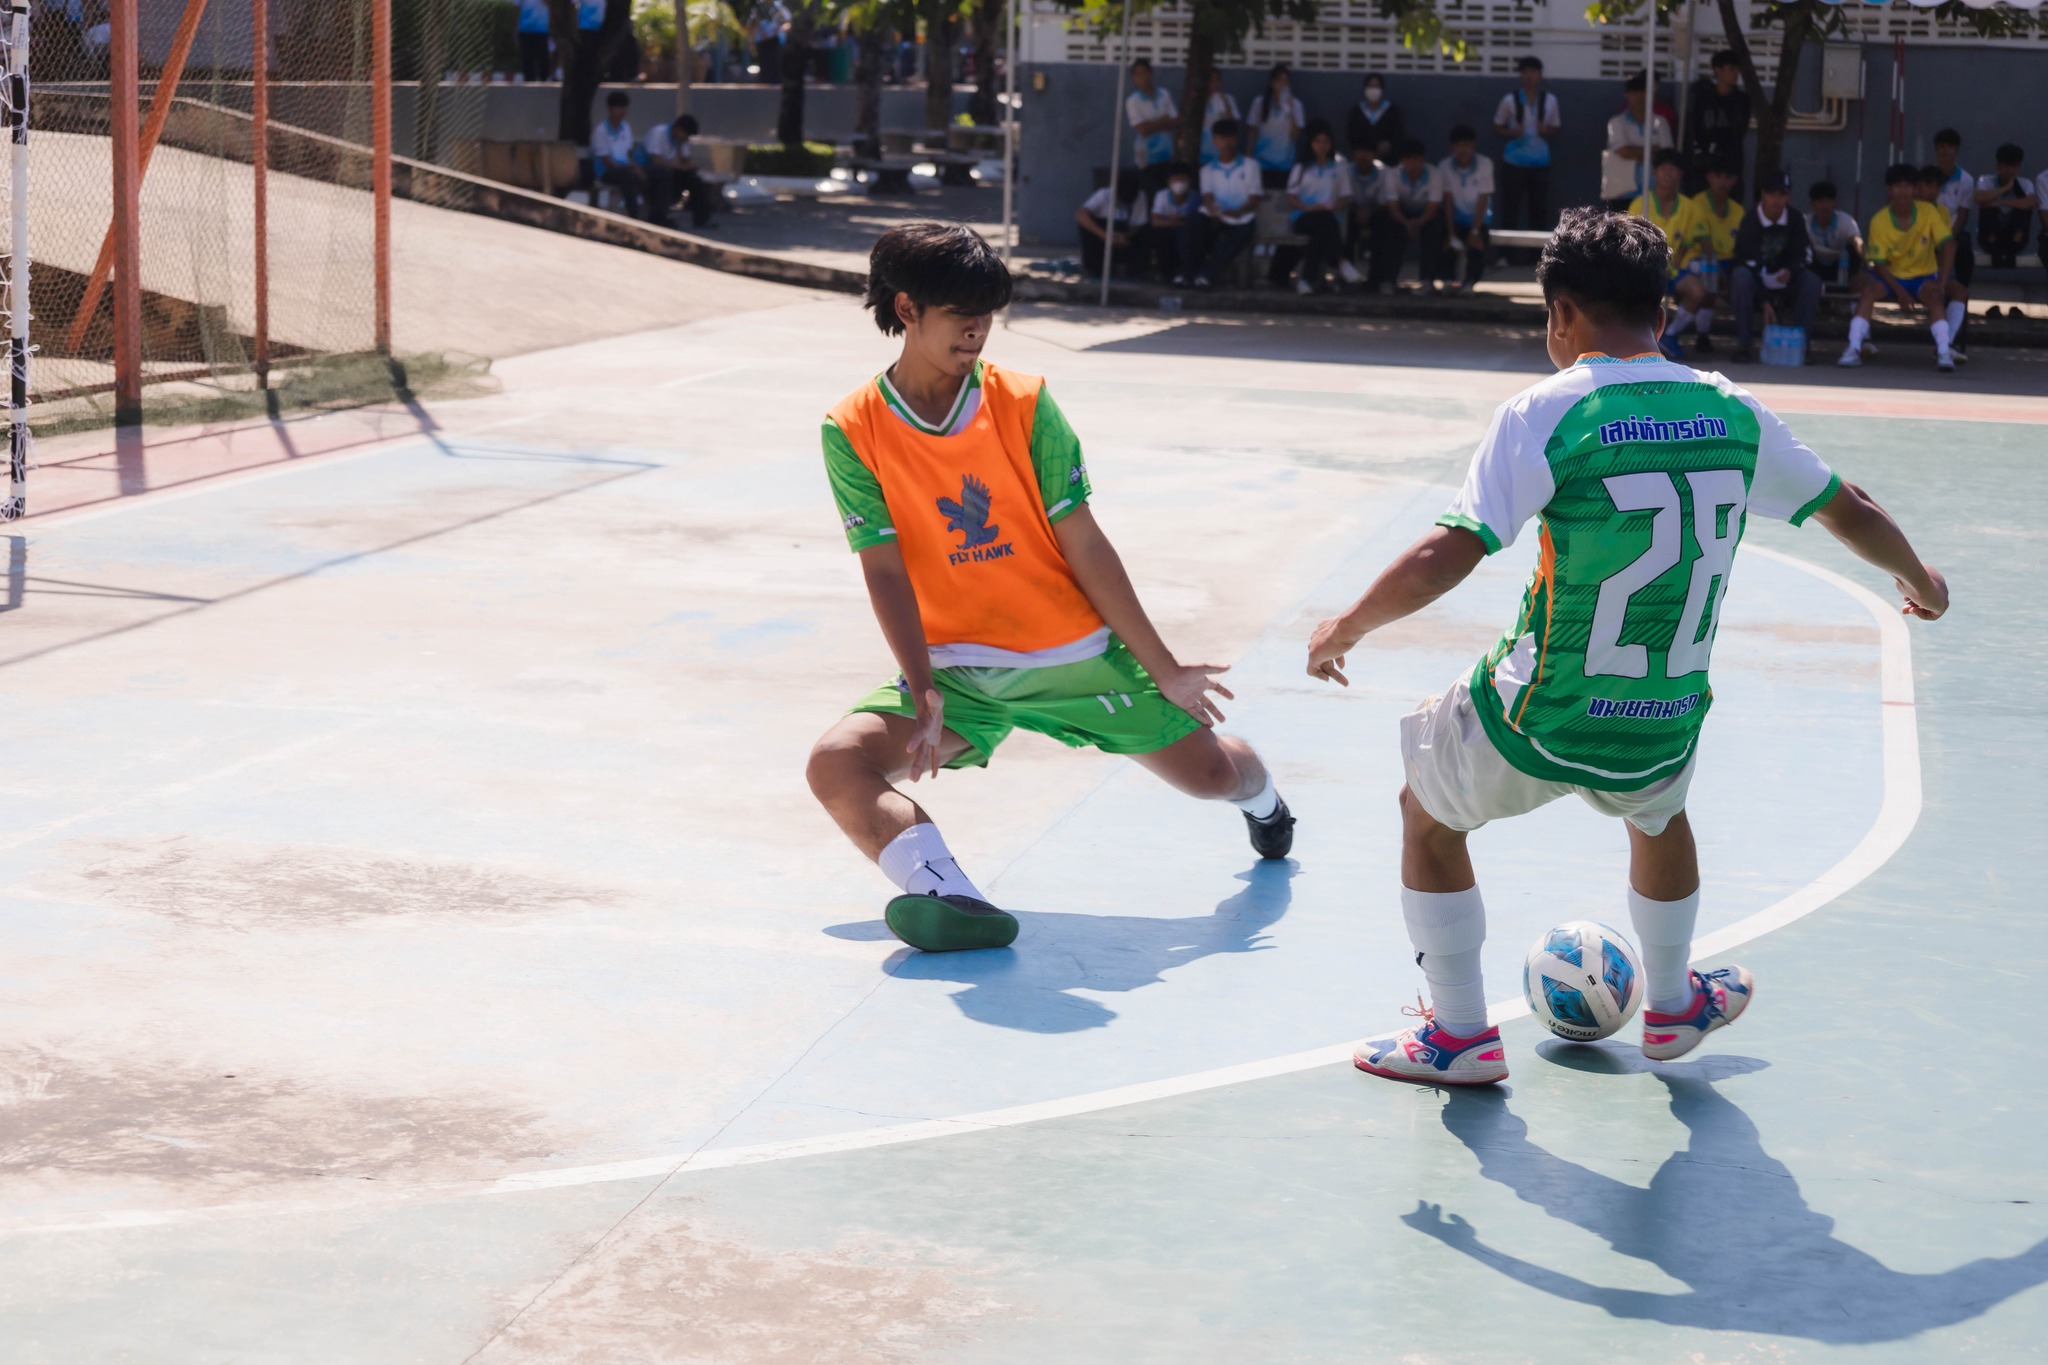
(1678, 218)
(962, 489)
(1912, 257)
(1720, 214)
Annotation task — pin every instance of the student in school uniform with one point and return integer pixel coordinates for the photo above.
(1153, 117)
(1525, 121)
(1836, 237)
(1230, 208)
(1220, 105)
(1319, 193)
(1113, 214)
(1375, 122)
(1276, 119)
(2006, 205)
(536, 58)
(1468, 192)
(672, 172)
(1165, 234)
(1411, 212)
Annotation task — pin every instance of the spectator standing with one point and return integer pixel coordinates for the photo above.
(1716, 124)
(1634, 137)
(1230, 207)
(672, 172)
(1666, 207)
(1153, 116)
(1468, 190)
(1113, 213)
(1837, 241)
(1221, 105)
(536, 62)
(1773, 266)
(611, 154)
(770, 18)
(2007, 203)
(1277, 117)
(1165, 234)
(1319, 193)
(1526, 119)
(1411, 212)
(1375, 121)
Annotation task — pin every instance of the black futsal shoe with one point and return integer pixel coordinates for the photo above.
(949, 924)
(1272, 837)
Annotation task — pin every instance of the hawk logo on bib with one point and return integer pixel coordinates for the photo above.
(970, 515)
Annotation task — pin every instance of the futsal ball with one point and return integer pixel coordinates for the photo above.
(1582, 980)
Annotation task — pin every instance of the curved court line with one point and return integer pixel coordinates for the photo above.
(1897, 815)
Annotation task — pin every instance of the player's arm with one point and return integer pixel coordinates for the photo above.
(895, 604)
(1100, 572)
(1853, 517)
(1425, 571)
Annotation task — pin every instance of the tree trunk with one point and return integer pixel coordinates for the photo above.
(1774, 111)
(942, 36)
(1195, 95)
(583, 57)
(796, 63)
(870, 54)
(988, 37)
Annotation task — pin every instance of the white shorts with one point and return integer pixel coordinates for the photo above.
(1463, 781)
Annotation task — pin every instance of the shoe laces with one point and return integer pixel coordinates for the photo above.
(1707, 982)
(1421, 1011)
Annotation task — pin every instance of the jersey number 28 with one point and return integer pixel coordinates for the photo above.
(1692, 637)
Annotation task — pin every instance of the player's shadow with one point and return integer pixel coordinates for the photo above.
(1030, 986)
(1723, 1216)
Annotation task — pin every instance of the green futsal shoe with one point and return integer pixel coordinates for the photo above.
(949, 924)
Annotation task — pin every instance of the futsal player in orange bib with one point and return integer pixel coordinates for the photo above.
(962, 489)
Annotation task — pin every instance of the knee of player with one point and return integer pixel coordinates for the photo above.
(833, 758)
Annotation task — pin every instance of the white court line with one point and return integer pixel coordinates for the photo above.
(1896, 817)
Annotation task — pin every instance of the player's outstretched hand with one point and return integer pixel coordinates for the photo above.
(1327, 648)
(1188, 686)
(928, 739)
(1926, 606)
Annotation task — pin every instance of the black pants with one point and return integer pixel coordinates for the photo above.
(534, 62)
(1128, 260)
(665, 185)
(1325, 243)
(1165, 248)
(1214, 244)
(1390, 247)
(1524, 201)
(626, 179)
(2004, 234)
(1802, 293)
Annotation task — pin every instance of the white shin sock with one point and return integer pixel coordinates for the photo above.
(1859, 332)
(1665, 930)
(1706, 320)
(1682, 321)
(1941, 335)
(919, 862)
(1957, 311)
(1261, 805)
(1447, 929)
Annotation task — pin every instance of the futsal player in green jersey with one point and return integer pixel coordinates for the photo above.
(1640, 473)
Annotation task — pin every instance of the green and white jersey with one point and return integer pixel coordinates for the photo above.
(1641, 473)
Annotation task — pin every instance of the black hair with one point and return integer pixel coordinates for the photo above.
(1127, 190)
(2009, 154)
(1900, 173)
(1823, 189)
(1948, 137)
(939, 265)
(1725, 57)
(1410, 146)
(1639, 81)
(1463, 133)
(1279, 69)
(618, 99)
(1611, 265)
(1145, 62)
(1529, 64)
(1720, 165)
(688, 123)
(1226, 127)
(1319, 127)
(1180, 168)
(1666, 157)
(1372, 76)
(1930, 175)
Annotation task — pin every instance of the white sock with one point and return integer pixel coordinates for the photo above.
(1261, 806)
(1447, 929)
(1665, 931)
(1683, 321)
(1706, 320)
(1940, 330)
(919, 862)
(1957, 311)
(1859, 332)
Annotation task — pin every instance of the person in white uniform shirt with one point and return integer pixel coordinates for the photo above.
(1634, 136)
(536, 58)
(1319, 192)
(1411, 213)
(672, 172)
(1468, 193)
(1230, 207)
(1153, 117)
(1220, 105)
(1837, 240)
(1114, 216)
(1525, 121)
(611, 154)
(1276, 119)
(1172, 217)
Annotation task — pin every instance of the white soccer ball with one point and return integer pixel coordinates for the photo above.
(1583, 980)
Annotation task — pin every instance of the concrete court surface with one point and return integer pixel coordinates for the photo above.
(416, 943)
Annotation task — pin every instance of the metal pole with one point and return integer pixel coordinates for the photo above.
(380, 164)
(685, 59)
(1684, 63)
(259, 164)
(17, 264)
(1116, 146)
(126, 91)
(1009, 128)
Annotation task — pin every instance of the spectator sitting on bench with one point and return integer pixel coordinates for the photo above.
(672, 173)
(1411, 211)
(1912, 255)
(1773, 261)
(1366, 171)
(1468, 190)
(2006, 204)
(1112, 214)
(1720, 215)
(1230, 207)
(1164, 238)
(1319, 192)
(611, 155)
(1667, 209)
(1837, 241)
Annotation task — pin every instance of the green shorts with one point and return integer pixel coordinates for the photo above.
(1108, 702)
